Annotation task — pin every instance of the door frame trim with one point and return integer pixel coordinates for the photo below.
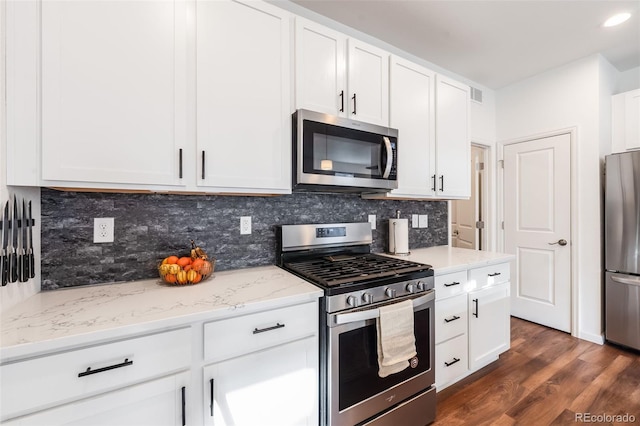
(484, 186)
(490, 236)
(574, 239)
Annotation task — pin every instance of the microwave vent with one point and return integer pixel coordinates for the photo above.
(476, 95)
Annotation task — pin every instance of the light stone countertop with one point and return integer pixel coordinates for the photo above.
(68, 318)
(447, 259)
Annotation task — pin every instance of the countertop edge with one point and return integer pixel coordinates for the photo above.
(30, 350)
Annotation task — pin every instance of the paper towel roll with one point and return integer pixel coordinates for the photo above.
(399, 236)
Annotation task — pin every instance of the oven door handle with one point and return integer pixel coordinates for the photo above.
(375, 312)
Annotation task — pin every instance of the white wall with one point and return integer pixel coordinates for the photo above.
(570, 96)
(15, 292)
(628, 80)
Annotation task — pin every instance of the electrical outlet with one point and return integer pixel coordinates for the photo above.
(423, 221)
(414, 221)
(103, 229)
(245, 225)
(372, 221)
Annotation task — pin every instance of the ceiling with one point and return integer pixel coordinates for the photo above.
(496, 42)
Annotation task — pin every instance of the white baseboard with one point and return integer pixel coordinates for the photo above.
(591, 337)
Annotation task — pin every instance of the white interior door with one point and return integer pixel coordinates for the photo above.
(537, 223)
(468, 211)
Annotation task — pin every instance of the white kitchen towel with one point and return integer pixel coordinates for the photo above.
(396, 339)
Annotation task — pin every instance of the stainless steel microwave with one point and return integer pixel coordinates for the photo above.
(342, 155)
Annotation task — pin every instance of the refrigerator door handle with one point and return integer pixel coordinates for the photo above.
(622, 280)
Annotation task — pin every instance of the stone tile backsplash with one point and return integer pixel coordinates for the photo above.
(149, 227)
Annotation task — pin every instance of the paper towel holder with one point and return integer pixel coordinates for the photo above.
(395, 239)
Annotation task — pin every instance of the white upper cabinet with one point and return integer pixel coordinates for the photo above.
(632, 119)
(453, 145)
(412, 113)
(339, 75)
(321, 83)
(243, 96)
(368, 82)
(113, 91)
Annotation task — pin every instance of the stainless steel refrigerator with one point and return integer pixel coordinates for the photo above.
(622, 249)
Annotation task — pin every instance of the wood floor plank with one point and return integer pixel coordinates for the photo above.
(554, 366)
(567, 417)
(602, 382)
(621, 397)
(550, 399)
(547, 377)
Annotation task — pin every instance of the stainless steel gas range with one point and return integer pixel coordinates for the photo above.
(356, 283)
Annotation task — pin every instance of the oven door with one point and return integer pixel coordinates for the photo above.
(356, 392)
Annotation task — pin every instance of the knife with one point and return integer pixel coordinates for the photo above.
(13, 259)
(30, 258)
(4, 267)
(22, 252)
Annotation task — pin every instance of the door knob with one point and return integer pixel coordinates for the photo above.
(562, 242)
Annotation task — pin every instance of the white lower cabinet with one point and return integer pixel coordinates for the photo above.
(451, 359)
(260, 368)
(489, 330)
(472, 320)
(277, 386)
(98, 384)
(451, 340)
(154, 403)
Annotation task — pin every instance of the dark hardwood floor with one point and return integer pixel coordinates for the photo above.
(546, 378)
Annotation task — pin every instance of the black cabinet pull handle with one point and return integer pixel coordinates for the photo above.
(449, 364)
(354, 104)
(475, 314)
(100, 370)
(342, 101)
(203, 174)
(441, 183)
(211, 400)
(452, 284)
(180, 163)
(184, 402)
(495, 274)
(434, 183)
(455, 317)
(262, 330)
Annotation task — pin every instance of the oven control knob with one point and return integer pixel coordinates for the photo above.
(390, 292)
(367, 298)
(411, 288)
(421, 286)
(352, 301)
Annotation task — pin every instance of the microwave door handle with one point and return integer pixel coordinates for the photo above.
(375, 312)
(387, 146)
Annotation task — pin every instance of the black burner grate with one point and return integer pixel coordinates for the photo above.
(344, 269)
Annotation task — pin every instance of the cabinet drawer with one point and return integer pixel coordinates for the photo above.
(489, 275)
(240, 335)
(448, 285)
(451, 360)
(64, 377)
(451, 318)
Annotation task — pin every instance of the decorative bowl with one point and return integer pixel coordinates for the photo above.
(185, 271)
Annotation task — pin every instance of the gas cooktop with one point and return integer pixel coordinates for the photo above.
(343, 269)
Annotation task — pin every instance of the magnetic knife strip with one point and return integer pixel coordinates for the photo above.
(17, 261)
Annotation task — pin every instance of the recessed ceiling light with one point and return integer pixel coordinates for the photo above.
(617, 19)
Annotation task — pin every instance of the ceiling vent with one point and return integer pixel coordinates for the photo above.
(476, 95)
